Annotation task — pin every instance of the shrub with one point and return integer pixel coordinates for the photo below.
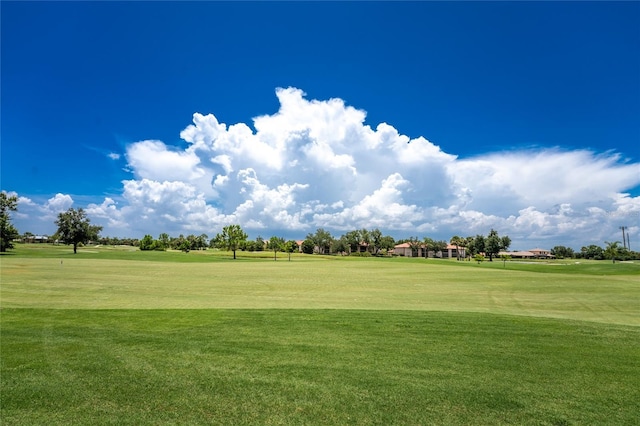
(361, 254)
(148, 243)
(308, 247)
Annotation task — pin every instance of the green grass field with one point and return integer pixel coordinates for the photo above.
(113, 336)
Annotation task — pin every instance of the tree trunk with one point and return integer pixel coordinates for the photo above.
(234, 254)
(75, 248)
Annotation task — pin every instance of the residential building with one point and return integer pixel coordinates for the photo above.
(451, 251)
(536, 253)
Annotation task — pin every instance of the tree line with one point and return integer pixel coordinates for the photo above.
(612, 251)
(74, 228)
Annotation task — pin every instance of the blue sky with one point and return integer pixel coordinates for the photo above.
(520, 116)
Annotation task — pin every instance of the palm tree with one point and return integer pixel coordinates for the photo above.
(457, 241)
(428, 244)
(365, 239)
(414, 244)
(469, 246)
(612, 250)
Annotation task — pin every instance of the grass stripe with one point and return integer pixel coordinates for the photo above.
(317, 284)
(314, 367)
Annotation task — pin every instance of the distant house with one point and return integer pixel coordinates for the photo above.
(451, 251)
(363, 247)
(316, 249)
(405, 250)
(536, 253)
(36, 239)
(541, 253)
(517, 254)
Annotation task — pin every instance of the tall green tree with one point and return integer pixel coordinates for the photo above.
(365, 239)
(562, 252)
(439, 246)
(74, 227)
(352, 239)
(592, 252)
(340, 245)
(8, 204)
(478, 244)
(185, 245)
(259, 244)
(321, 239)
(276, 244)
(201, 242)
(164, 241)
(429, 245)
(457, 241)
(180, 243)
(290, 247)
(414, 245)
(469, 243)
(308, 246)
(506, 242)
(230, 238)
(193, 242)
(148, 243)
(612, 250)
(387, 243)
(376, 240)
(494, 244)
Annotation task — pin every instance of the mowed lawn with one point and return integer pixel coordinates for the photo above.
(94, 279)
(116, 337)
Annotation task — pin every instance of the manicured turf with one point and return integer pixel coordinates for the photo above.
(314, 367)
(113, 336)
(93, 280)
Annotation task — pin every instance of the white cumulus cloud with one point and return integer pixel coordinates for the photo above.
(316, 163)
(58, 204)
